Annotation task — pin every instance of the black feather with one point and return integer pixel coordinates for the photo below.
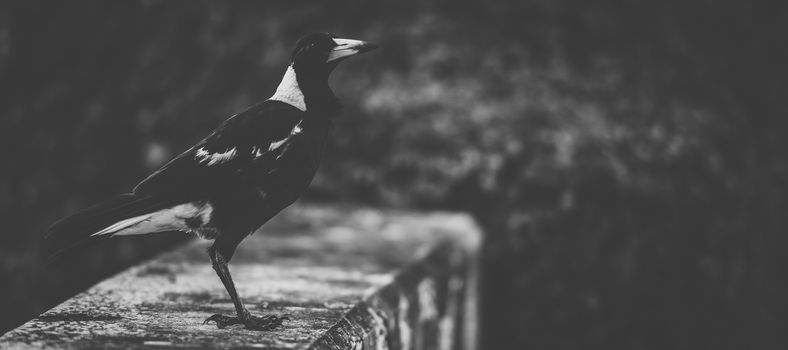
(259, 126)
(75, 230)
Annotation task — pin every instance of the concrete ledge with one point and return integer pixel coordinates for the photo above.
(349, 278)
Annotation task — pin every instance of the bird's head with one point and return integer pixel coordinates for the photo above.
(319, 53)
(306, 80)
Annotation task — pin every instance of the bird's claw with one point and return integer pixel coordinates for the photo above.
(222, 321)
(265, 323)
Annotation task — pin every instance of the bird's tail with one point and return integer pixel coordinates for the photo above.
(98, 222)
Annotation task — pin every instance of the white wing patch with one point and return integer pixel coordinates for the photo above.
(120, 225)
(276, 144)
(257, 151)
(170, 219)
(203, 156)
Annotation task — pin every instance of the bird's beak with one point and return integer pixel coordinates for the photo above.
(349, 47)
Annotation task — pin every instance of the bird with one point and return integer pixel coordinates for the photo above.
(225, 187)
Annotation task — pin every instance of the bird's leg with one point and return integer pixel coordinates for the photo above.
(265, 323)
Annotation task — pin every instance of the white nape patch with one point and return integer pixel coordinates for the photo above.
(289, 92)
(170, 219)
(203, 156)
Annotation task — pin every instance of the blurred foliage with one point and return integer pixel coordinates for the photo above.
(626, 158)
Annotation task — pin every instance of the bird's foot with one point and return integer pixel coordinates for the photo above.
(223, 321)
(265, 323)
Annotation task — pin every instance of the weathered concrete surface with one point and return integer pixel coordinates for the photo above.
(349, 278)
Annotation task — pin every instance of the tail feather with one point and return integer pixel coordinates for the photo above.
(96, 222)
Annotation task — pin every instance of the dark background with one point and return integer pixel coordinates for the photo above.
(627, 159)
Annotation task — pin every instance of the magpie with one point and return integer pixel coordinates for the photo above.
(225, 187)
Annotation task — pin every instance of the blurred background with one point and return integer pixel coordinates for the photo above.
(626, 159)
